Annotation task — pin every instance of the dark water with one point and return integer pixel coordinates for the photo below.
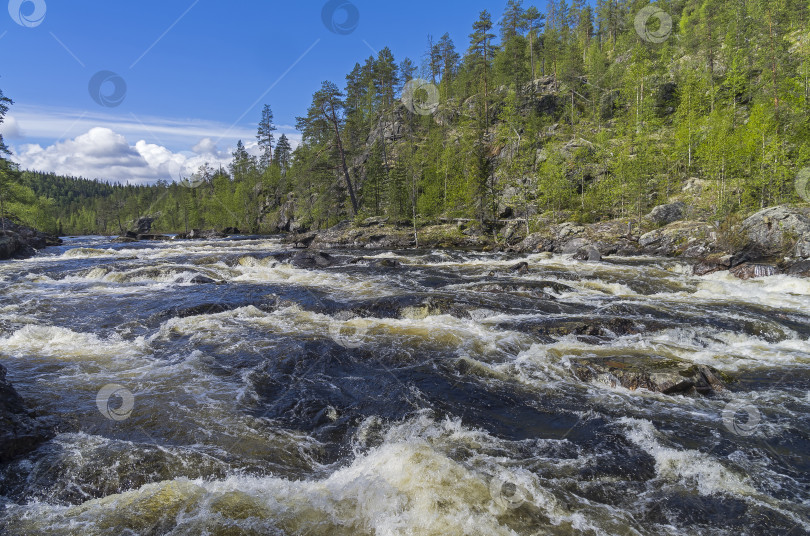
(401, 393)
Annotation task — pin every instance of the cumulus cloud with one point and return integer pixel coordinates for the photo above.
(206, 146)
(104, 154)
(10, 128)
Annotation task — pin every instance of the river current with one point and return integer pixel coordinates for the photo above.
(213, 388)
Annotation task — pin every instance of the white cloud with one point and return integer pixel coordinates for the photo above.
(10, 128)
(206, 146)
(96, 146)
(38, 123)
(102, 153)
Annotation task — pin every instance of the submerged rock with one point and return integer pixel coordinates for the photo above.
(306, 259)
(666, 376)
(197, 234)
(20, 432)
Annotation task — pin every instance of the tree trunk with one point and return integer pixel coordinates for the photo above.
(333, 119)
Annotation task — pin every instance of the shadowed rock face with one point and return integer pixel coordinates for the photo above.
(20, 433)
(19, 241)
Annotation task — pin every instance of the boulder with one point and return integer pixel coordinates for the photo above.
(9, 245)
(144, 225)
(306, 259)
(775, 232)
(666, 214)
(520, 268)
(20, 431)
(588, 253)
(231, 231)
(668, 376)
(711, 264)
(689, 239)
(374, 222)
(750, 270)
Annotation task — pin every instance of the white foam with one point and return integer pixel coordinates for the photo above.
(691, 468)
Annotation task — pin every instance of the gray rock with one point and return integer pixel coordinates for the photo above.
(801, 269)
(750, 270)
(772, 232)
(19, 241)
(588, 253)
(659, 375)
(572, 246)
(20, 432)
(666, 214)
(144, 225)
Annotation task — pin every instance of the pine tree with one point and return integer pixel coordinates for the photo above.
(266, 137)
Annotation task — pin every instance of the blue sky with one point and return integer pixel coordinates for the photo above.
(194, 72)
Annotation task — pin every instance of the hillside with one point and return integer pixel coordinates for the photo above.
(580, 114)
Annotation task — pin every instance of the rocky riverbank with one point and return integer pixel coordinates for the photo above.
(20, 431)
(773, 241)
(19, 241)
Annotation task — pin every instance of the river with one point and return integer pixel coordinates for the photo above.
(394, 393)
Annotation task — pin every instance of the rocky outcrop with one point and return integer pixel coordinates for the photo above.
(776, 232)
(381, 235)
(19, 241)
(689, 239)
(668, 376)
(20, 432)
(666, 214)
(144, 225)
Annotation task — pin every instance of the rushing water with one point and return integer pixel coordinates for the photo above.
(418, 393)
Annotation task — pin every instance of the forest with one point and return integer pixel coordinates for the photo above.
(578, 112)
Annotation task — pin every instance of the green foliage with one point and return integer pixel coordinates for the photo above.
(567, 112)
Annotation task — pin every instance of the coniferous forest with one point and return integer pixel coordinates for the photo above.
(579, 112)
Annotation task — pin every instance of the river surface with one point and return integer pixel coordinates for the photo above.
(401, 393)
